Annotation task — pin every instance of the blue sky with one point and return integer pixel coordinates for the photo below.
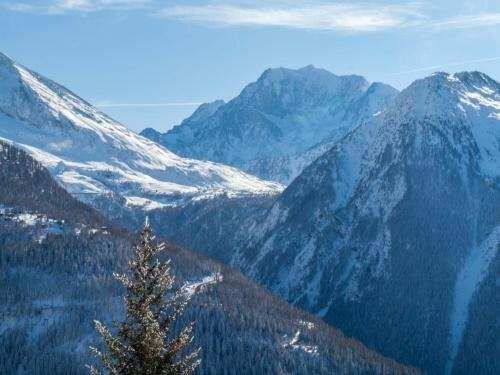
(148, 63)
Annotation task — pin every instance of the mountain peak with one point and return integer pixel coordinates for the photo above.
(304, 84)
(442, 94)
(476, 77)
(7, 66)
(466, 78)
(4, 57)
(205, 110)
(266, 129)
(306, 72)
(308, 67)
(151, 134)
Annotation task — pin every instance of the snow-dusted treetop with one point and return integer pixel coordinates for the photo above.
(88, 152)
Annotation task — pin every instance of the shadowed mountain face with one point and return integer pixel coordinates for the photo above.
(393, 234)
(56, 262)
(274, 128)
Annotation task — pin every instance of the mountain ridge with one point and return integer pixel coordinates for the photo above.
(418, 180)
(268, 128)
(91, 154)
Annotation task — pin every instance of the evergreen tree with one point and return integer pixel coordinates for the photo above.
(142, 345)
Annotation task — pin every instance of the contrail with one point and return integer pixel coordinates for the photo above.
(457, 63)
(185, 104)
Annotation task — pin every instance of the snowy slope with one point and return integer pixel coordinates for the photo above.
(472, 273)
(278, 124)
(394, 229)
(89, 153)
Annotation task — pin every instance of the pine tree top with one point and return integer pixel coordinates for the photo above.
(144, 344)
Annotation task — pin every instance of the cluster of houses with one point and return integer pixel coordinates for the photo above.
(45, 225)
(8, 213)
(17, 214)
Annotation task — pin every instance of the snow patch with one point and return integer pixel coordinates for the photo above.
(470, 277)
(144, 203)
(294, 343)
(308, 325)
(191, 288)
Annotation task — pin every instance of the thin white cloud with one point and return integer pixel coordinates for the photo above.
(360, 17)
(448, 65)
(20, 7)
(311, 15)
(66, 6)
(173, 104)
(467, 21)
(367, 16)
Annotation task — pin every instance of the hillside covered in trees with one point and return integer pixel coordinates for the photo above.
(52, 287)
(27, 185)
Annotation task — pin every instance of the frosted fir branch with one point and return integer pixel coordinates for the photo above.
(142, 344)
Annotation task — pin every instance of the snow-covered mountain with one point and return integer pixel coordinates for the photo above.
(92, 155)
(393, 234)
(276, 126)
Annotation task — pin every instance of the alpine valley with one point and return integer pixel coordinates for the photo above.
(56, 262)
(376, 211)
